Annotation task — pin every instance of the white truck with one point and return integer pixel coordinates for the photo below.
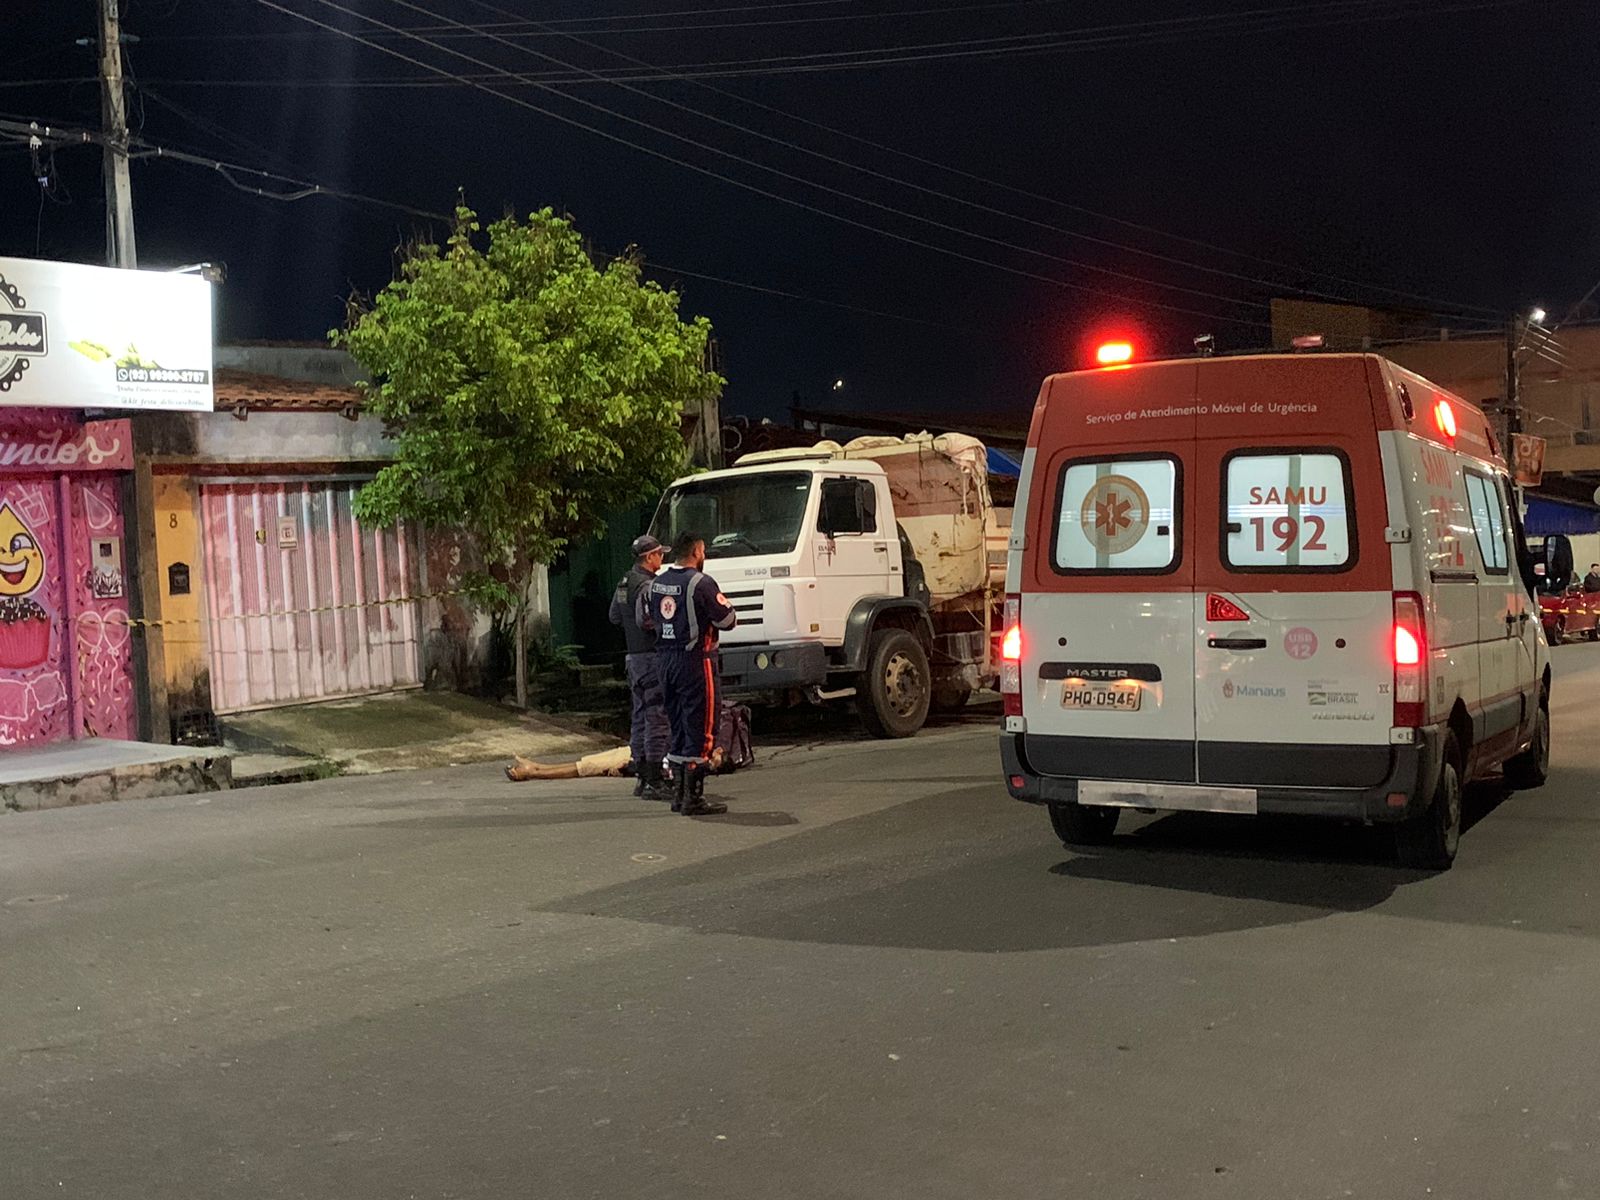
(871, 571)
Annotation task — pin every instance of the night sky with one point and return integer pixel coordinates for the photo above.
(1451, 152)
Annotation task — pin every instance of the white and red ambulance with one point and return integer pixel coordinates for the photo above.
(1288, 583)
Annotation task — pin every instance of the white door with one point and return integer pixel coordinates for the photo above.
(1108, 649)
(1292, 620)
(852, 548)
(1503, 616)
(1507, 621)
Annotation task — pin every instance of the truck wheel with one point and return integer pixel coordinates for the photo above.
(1531, 768)
(950, 699)
(1083, 824)
(1428, 842)
(894, 690)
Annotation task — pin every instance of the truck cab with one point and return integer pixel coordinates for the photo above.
(827, 554)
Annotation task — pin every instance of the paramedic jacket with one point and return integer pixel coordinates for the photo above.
(625, 610)
(684, 609)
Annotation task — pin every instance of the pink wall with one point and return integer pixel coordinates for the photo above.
(65, 654)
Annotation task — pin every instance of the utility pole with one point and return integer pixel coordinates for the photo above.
(120, 250)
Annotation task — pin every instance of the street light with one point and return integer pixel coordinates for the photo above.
(838, 385)
(1537, 316)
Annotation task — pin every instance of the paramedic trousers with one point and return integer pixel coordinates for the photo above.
(648, 731)
(691, 687)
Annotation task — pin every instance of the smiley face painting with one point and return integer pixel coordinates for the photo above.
(24, 624)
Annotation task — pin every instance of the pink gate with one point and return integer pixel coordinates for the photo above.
(65, 657)
(303, 602)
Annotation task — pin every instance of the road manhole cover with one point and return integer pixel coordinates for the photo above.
(649, 858)
(23, 901)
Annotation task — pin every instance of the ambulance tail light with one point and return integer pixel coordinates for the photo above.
(1409, 645)
(1220, 608)
(1011, 657)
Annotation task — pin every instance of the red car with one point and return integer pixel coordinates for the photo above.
(1573, 614)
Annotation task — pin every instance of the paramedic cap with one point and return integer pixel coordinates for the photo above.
(645, 544)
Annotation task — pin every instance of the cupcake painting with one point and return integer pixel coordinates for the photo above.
(24, 624)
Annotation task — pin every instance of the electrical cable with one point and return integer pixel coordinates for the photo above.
(790, 200)
(65, 136)
(418, 8)
(140, 149)
(947, 196)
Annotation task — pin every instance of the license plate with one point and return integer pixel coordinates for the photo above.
(1178, 797)
(1122, 696)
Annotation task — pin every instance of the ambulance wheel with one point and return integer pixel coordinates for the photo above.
(1083, 824)
(895, 688)
(1428, 842)
(1531, 768)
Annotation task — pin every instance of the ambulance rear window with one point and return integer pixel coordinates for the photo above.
(1287, 511)
(1118, 515)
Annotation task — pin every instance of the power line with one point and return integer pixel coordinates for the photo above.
(869, 171)
(526, 27)
(53, 136)
(233, 173)
(848, 195)
(790, 200)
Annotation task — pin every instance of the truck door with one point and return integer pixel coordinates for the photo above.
(1107, 622)
(853, 548)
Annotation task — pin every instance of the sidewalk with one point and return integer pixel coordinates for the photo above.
(99, 769)
(396, 732)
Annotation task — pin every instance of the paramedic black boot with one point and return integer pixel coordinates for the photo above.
(641, 778)
(695, 803)
(678, 787)
(655, 785)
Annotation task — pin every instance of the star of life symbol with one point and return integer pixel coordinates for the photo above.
(669, 608)
(1115, 514)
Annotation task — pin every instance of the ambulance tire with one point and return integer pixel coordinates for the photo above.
(950, 699)
(1084, 824)
(1531, 768)
(895, 687)
(1428, 842)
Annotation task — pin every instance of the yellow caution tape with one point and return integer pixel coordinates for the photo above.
(117, 618)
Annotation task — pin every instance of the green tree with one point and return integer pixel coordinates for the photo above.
(529, 392)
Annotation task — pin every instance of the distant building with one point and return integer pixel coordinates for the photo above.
(1560, 391)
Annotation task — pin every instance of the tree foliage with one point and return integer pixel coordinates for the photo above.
(529, 391)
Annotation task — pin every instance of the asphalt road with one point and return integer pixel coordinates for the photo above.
(879, 977)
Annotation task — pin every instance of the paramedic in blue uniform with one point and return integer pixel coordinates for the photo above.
(685, 609)
(648, 731)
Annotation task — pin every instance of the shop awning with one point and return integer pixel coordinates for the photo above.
(1547, 516)
(1001, 463)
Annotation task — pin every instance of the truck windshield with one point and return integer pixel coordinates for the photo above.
(739, 516)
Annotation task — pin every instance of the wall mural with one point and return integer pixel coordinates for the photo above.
(104, 653)
(34, 702)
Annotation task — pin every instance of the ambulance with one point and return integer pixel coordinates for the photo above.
(1284, 583)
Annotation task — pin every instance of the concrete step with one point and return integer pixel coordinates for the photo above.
(96, 770)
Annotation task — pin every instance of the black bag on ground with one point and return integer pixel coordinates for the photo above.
(733, 737)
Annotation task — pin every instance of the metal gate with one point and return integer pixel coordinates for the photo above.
(304, 602)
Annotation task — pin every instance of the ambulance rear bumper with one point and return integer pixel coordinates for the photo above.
(1400, 780)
